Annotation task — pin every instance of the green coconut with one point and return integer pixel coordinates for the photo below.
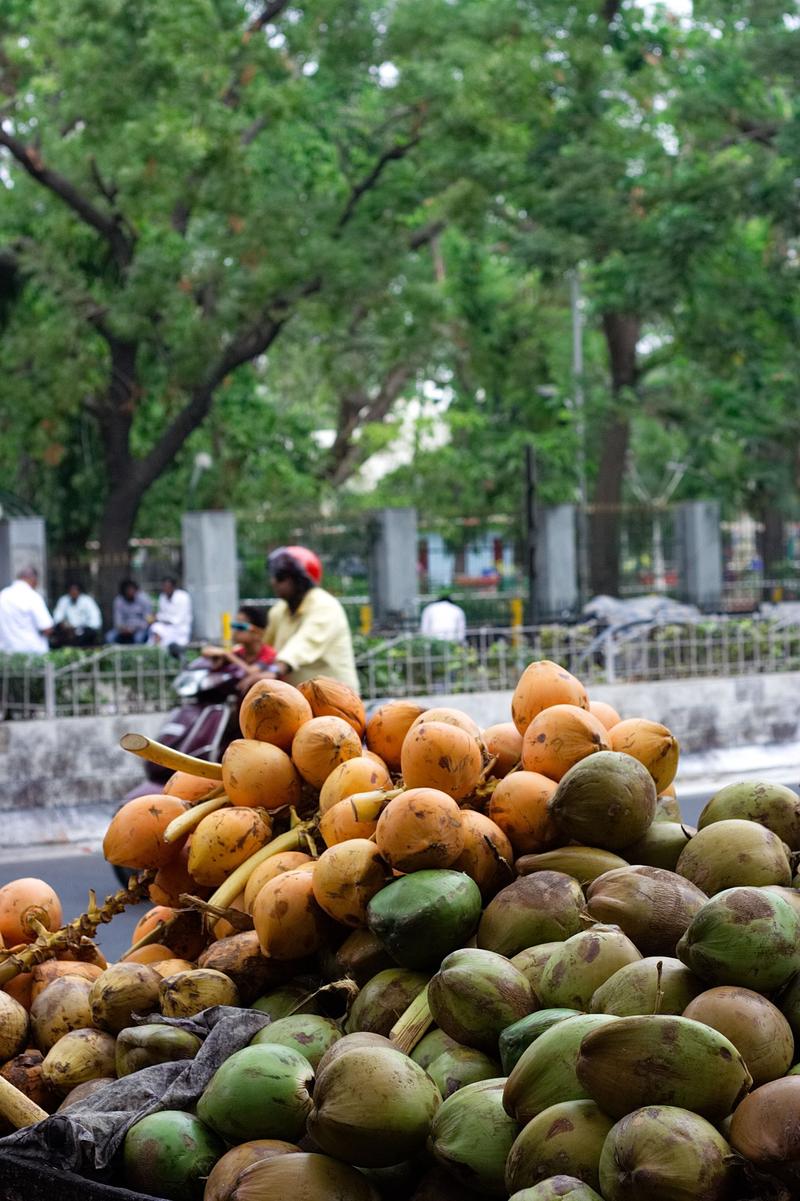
(584, 864)
(607, 799)
(744, 936)
(259, 1092)
(653, 985)
(170, 1154)
(652, 906)
(460, 1066)
(361, 1039)
(383, 999)
(140, 1047)
(756, 1027)
(229, 1168)
(789, 1002)
(471, 1135)
(658, 1059)
(579, 966)
(517, 1038)
(431, 1046)
(667, 809)
(307, 1033)
(288, 999)
(546, 1072)
(733, 854)
(771, 805)
(662, 845)
(564, 1139)
(544, 907)
(792, 895)
(476, 994)
(423, 916)
(558, 1188)
(373, 1107)
(533, 960)
(665, 1152)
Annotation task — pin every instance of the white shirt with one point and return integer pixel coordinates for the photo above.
(173, 621)
(445, 621)
(23, 616)
(81, 614)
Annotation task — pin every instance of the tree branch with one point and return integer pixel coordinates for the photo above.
(356, 409)
(109, 227)
(360, 189)
(267, 16)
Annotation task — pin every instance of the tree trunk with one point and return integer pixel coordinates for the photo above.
(771, 546)
(622, 335)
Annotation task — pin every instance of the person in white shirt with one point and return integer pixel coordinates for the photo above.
(444, 619)
(25, 621)
(173, 623)
(76, 617)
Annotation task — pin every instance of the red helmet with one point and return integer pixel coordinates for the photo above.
(298, 558)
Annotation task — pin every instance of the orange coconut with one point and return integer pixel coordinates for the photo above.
(225, 839)
(356, 775)
(332, 698)
(287, 918)
(503, 743)
(420, 828)
(343, 821)
(451, 717)
(321, 745)
(171, 967)
(173, 880)
(519, 807)
(54, 969)
(605, 712)
(541, 685)
(24, 900)
(440, 756)
(225, 929)
(154, 952)
(259, 774)
(285, 861)
(559, 737)
(387, 728)
(488, 855)
(135, 836)
(188, 788)
(273, 711)
(652, 744)
(20, 987)
(345, 879)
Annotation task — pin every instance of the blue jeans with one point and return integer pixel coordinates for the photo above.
(138, 637)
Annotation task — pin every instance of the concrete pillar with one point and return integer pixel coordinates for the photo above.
(699, 544)
(556, 562)
(393, 564)
(210, 571)
(23, 543)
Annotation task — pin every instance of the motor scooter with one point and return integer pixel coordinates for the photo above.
(203, 724)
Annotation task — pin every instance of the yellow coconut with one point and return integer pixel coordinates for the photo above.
(259, 774)
(273, 711)
(356, 775)
(225, 839)
(441, 756)
(321, 745)
(541, 685)
(387, 728)
(652, 744)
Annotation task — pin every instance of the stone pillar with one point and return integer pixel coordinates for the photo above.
(210, 569)
(699, 544)
(393, 564)
(23, 543)
(557, 593)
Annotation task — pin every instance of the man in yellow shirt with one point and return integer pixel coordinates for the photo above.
(307, 626)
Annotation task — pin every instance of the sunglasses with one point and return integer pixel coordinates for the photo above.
(242, 625)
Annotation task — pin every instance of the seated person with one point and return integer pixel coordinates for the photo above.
(76, 618)
(133, 612)
(173, 623)
(249, 648)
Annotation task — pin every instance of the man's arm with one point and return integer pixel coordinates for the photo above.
(60, 611)
(92, 617)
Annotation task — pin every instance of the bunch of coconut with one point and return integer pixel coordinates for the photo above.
(555, 989)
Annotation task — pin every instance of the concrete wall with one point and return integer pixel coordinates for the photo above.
(60, 780)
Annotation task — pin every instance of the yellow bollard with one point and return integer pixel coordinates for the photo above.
(517, 610)
(365, 619)
(226, 629)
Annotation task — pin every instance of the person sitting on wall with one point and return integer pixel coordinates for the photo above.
(133, 612)
(444, 619)
(25, 621)
(173, 624)
(76, 618)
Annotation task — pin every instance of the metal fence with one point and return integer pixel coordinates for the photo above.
(121, 680)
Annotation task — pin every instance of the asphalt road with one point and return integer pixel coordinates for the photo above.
(72, 875)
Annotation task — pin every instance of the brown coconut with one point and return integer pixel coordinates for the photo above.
(734, 853)
(488, 856)
(766, 1128)
(345, 879)
(652, 906)
(756, 1027)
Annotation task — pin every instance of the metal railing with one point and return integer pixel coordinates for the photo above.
(121, 680)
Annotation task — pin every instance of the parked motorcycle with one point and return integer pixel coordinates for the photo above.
(203, 724)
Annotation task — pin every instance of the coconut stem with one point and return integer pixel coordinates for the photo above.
(166, 756)
(412, 1024)
(18, 1109)
(659, 989)
(240, 921)
(184, 823)
(48, 944)
(368, 806)
(292, 840)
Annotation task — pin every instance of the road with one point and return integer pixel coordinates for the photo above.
(72, 874)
